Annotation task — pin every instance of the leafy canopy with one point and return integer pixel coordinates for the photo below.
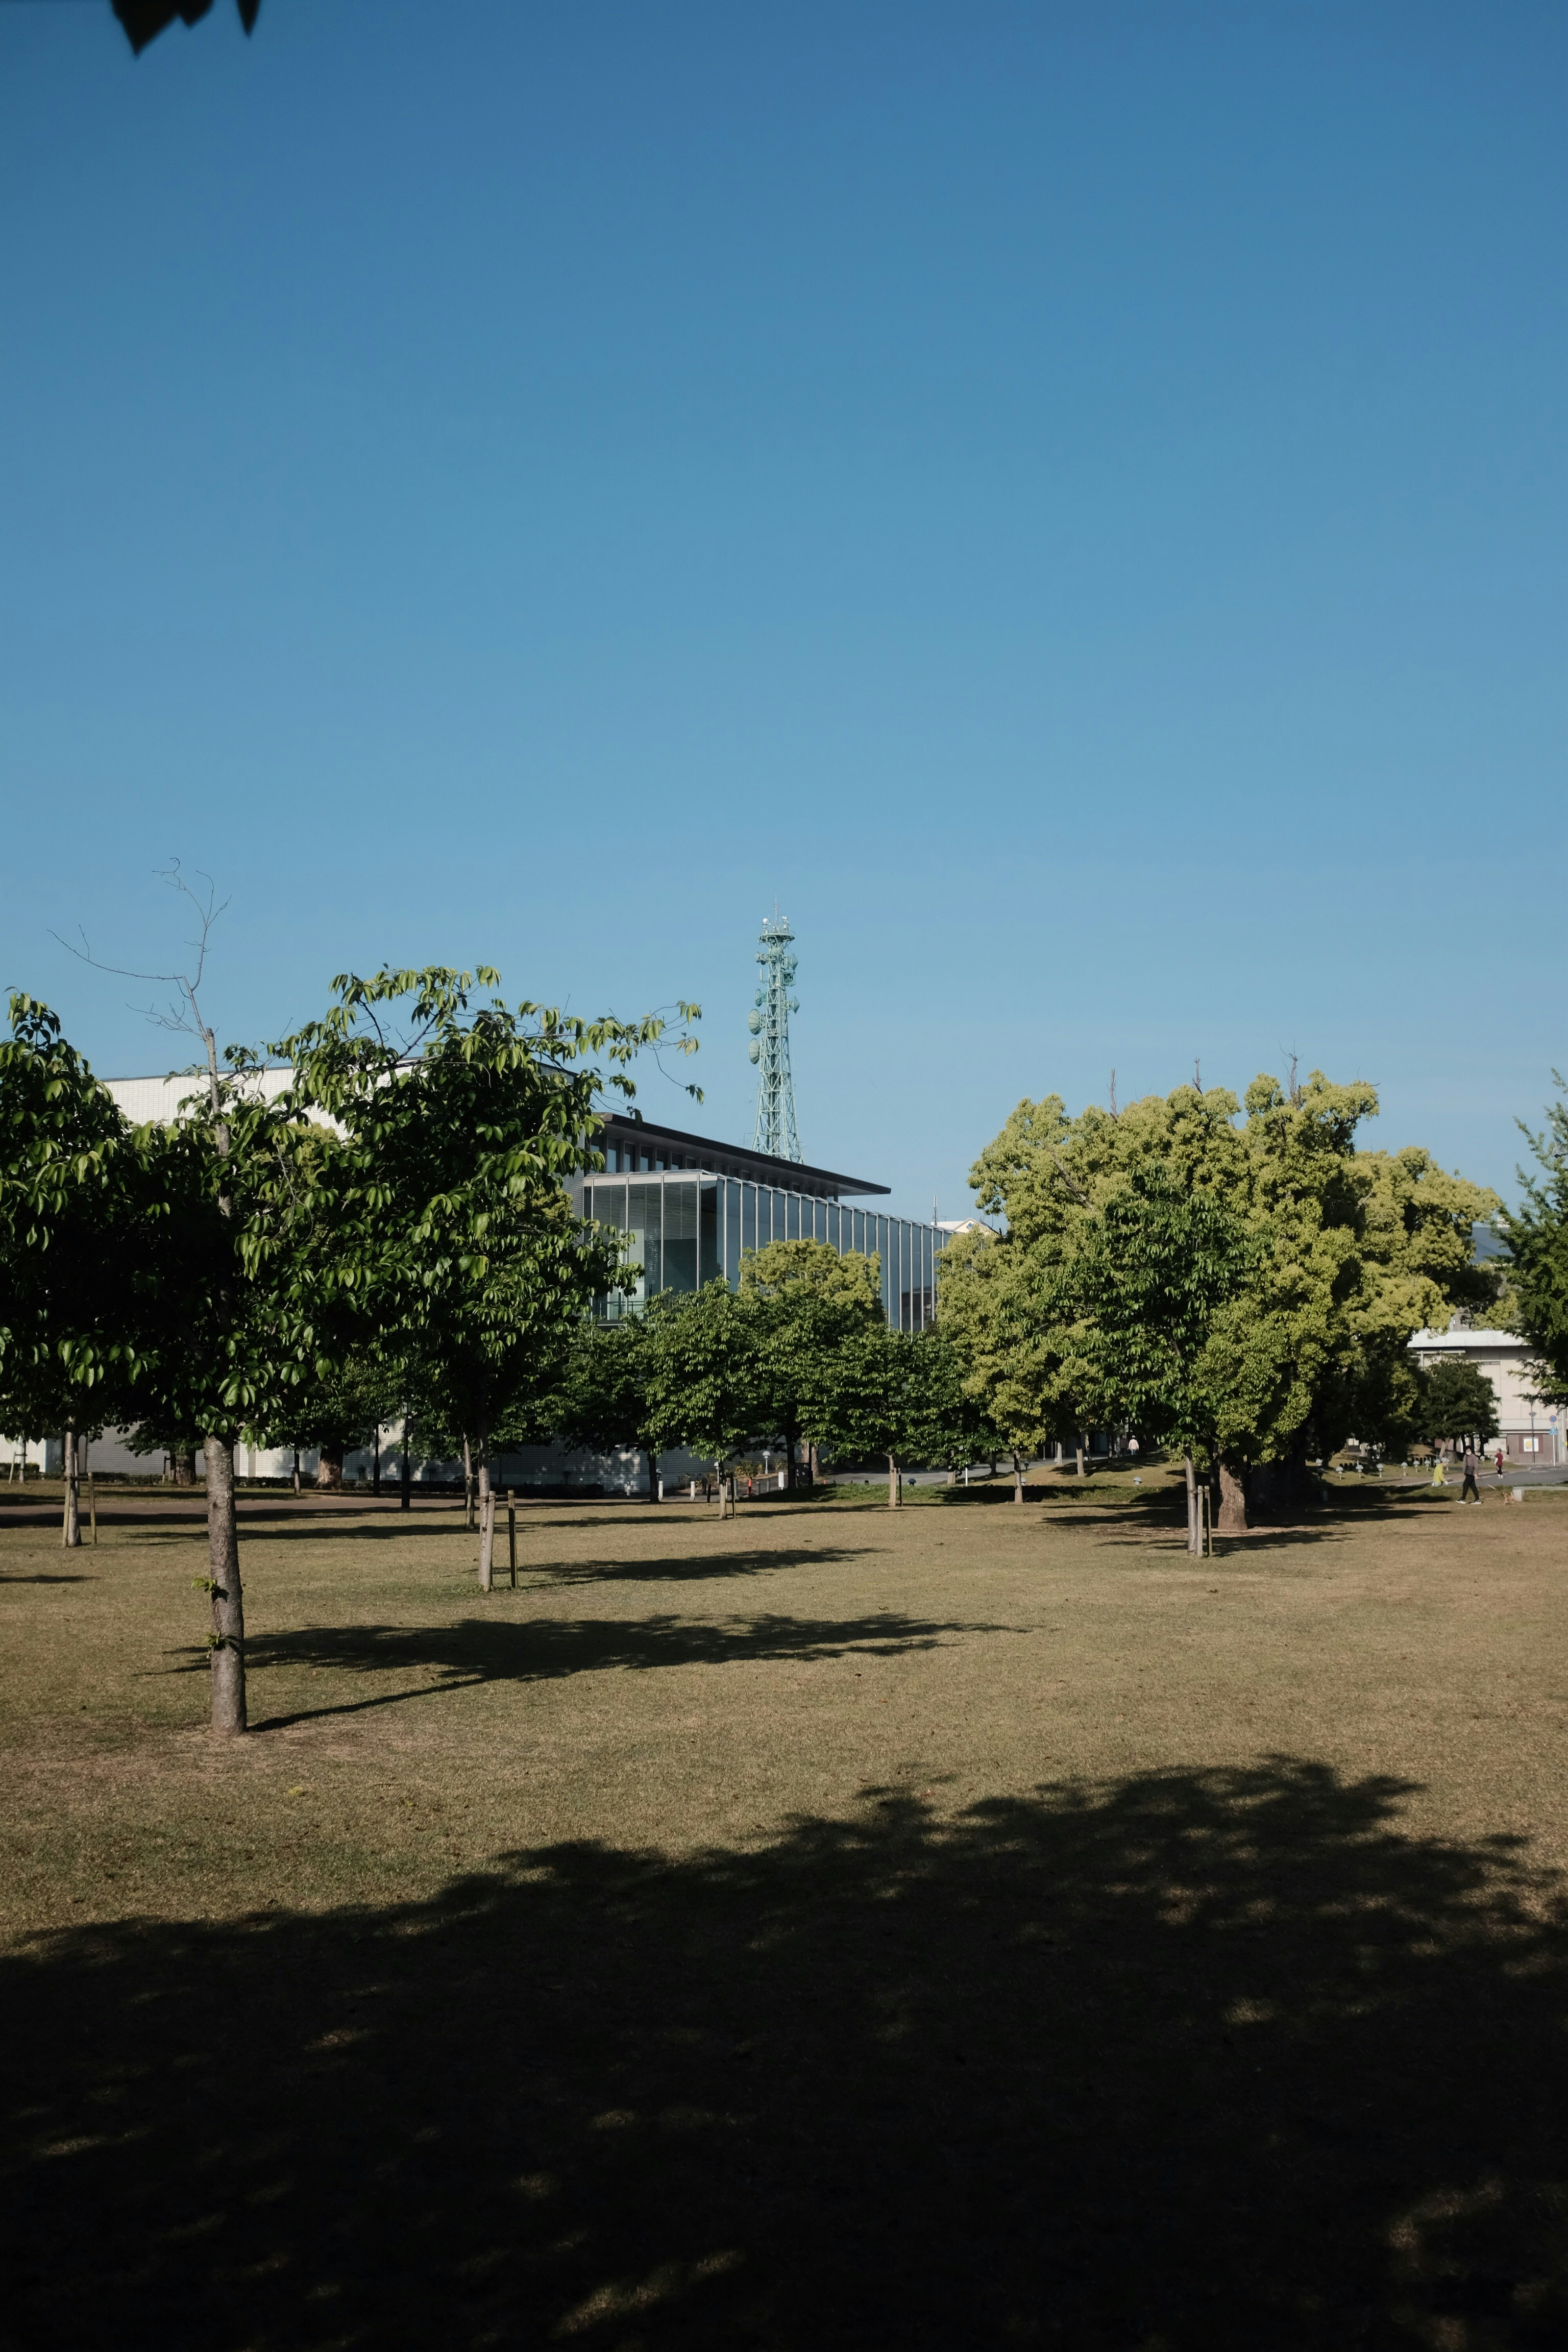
(1458, 1401)
(1347, 1254)
(1535, 1239)
(71, 1202)
(810, 1309)
(447, 1226)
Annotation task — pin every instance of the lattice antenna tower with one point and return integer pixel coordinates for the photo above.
(769, 1025)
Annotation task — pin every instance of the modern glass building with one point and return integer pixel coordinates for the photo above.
(688, 1208)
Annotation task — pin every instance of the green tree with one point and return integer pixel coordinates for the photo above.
(1393, 1412)
(705, 1388)
(1159, 1283)
(608, 1399)
(73, 1213)
(152, 1436)
(1415, 1265)
(447, 1225)
(338, 1408)
(953, 1428)
(810, 1305)
(228, 1308)
(899, 1395)
(1002, 1311)
(1535, 1239)
(1356, 1251)
(1457, 1401)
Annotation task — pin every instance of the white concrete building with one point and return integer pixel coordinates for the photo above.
(143, 1099)
(689, 1209)
(1532, 1433)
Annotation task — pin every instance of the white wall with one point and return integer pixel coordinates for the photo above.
(1515, 1378)
(143, 1099)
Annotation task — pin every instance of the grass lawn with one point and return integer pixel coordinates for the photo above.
(971, 1926)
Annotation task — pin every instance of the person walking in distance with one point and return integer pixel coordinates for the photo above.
(1469, 1492)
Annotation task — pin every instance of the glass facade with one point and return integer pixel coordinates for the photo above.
(681, 1228)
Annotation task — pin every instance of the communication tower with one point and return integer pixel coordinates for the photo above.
(769, 1024)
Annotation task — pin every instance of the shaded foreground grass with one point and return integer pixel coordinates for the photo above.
(1198, 2059)
(1188, 2045)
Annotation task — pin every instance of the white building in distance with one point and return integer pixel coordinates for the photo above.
(1531, 1431)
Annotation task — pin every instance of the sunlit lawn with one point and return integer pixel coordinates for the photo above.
(969, 1925)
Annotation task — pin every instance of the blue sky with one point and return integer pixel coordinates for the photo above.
(1067, 499)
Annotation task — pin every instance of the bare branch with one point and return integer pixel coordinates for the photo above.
(191, 1020)
(207, 914)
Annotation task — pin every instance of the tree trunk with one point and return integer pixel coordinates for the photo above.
(185, 1467)
(719, 1486)
(1194, 1511)
(330, 1467)
(70, 1469)
(228, 1600)
(376, 1460)
(487, 1499)
(405, 1478)
(895, 1495)
(813, 1462)
(1079, 1452)
(791, 1446)
(467, 1486)
(1232, 1519)
(652, 1473)
(1017, 1477)
(1284, 1488)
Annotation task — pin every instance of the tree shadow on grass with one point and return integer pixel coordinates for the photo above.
(346, 1525)
(383, 1525)
(1170, 1545)
(494, 1650)
(1389, 1502)
(1265, 1539)
(1193, 2061)
(694, 1567)
(9, 1576)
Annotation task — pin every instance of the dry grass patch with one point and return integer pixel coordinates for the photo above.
(967, 1924)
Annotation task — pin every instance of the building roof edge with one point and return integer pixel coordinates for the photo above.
(768, 1167)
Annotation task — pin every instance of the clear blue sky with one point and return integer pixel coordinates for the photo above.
(1067, 497)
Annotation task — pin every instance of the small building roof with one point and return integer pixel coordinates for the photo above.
(699, 1151)
(1459, 1340)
